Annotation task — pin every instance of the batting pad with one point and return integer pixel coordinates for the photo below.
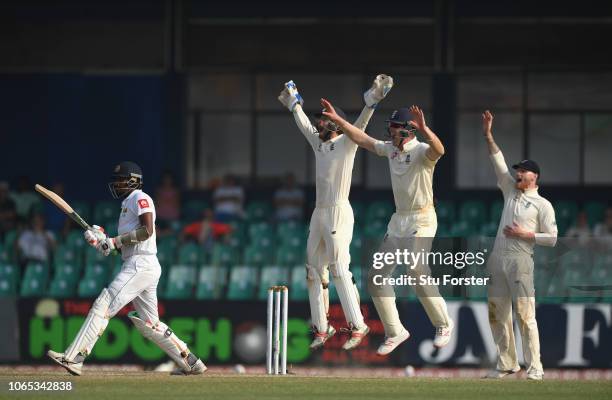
(160, 334)
(93, 327)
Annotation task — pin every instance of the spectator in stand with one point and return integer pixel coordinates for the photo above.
(229, 200)
(580, 230)
(289, 200)
(206, 231)
(8, 210)
(26, 200)
(603, 230)
(168, 202)
(36, 242)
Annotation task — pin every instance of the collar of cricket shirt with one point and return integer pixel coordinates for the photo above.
(531, 191)
(410, 145)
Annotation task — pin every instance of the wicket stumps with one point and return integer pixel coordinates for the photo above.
(275, 352)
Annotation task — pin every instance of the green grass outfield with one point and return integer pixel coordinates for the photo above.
(150, 385)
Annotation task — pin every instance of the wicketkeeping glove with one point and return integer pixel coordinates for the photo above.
(290, 97)
(380, 87)
(95, 235)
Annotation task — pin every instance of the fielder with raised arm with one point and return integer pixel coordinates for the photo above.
(414, 223)
(135, 283)
(527, 219)
(331, 225)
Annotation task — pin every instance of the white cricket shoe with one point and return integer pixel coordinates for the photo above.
(535, 374)
(357, 335)
(391, 343)
(497, 374)
(74, 368)
(443, 334)
(322, 337)
(196, 369)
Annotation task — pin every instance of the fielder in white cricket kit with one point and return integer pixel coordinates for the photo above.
(413, 225)
(135, 283)
(331, 225)
(528, 219)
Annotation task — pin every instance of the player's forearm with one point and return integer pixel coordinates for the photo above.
(364, 118)
(357, 135)
(493, 148)
(435, 144)
(545, 239)
(302, 121)
(133, 237)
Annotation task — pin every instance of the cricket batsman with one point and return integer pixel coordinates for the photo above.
(527, 219)
(135, 283)
(413, 225)
(331, 224)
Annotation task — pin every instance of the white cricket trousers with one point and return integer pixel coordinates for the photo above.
(329, 238)
(511, 280)
(412, 230)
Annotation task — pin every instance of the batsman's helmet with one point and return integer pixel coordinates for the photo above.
(126, 177)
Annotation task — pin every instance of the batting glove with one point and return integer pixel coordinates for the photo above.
(106, 246)
(380, 87)
(95, 235)
(290, 97)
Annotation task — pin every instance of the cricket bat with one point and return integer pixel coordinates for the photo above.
(62, 205)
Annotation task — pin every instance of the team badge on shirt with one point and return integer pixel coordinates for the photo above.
(143, 203)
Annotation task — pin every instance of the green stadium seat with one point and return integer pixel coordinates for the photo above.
(111, 228)
(260, 229)
(356, 250)
(256, 256)
(576, 258)
(595, 211)
(9, 238)
(8, 288)
(495, 211)
(242, 283)
(258, 211)
(359, 210)
(76, 241)
(35, 280)
(93, 256)
(462, 229)
(70, 272)
(298, 289)
(211, 282)
(62, 288)
(65, 254)
(272, 276)
(289, 229)
(565, 212)
(445, 211)
(10, 272)
(181, 281)
(190, 254)
(379, 210)
(489, 229)
(224, 255)
(165, 255)
(264, 242)
(473, 212)
(296, 242)
(97, 271)
(193, 210)
(105, 212)
(289, 256)
(376, 229)
(236, 242)
(90, 287)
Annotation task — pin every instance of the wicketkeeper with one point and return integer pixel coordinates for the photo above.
(331, 225)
